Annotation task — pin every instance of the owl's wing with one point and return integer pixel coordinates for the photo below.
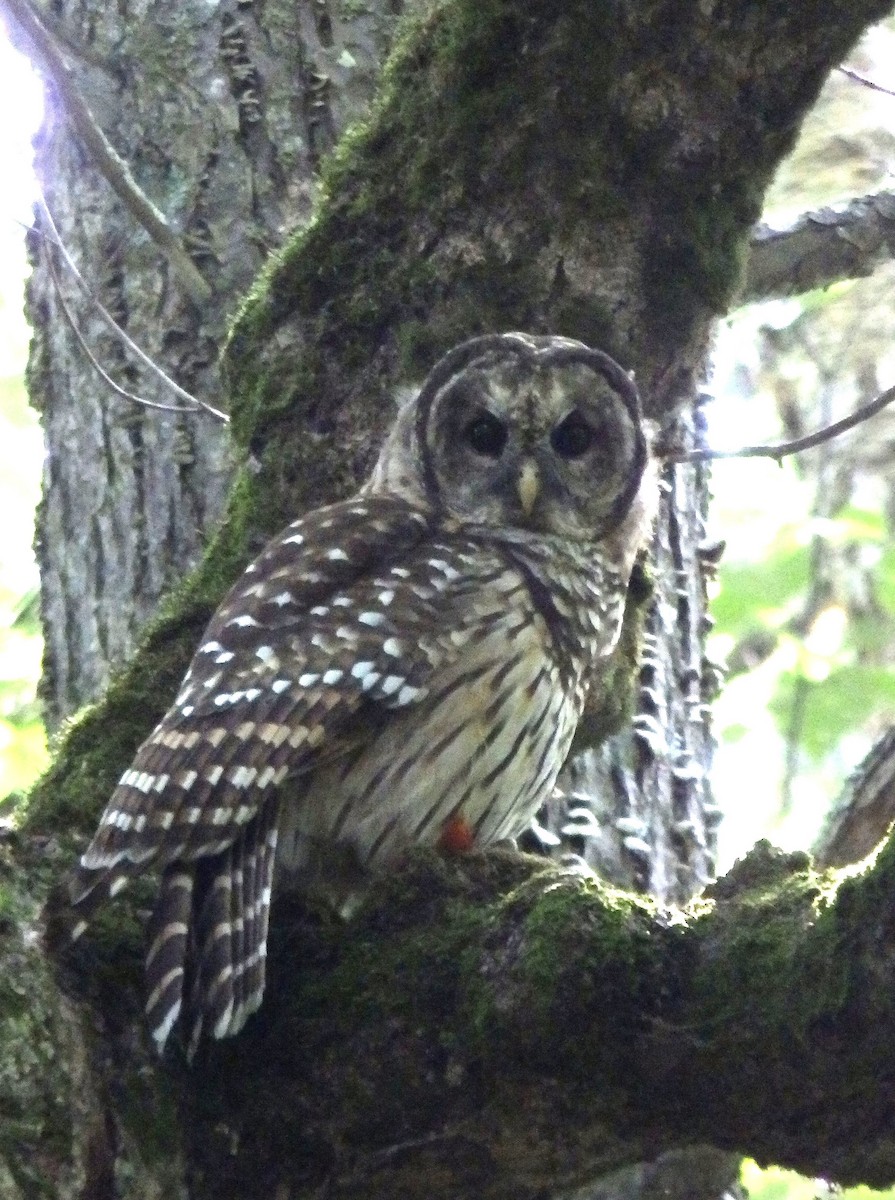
(327, 629)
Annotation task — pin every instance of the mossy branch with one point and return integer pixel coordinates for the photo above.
(490, 1026)
(549, 1029)
(820, 248)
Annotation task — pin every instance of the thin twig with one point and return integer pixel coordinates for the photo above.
(56, 240)
(782, 449)
(94, 361)
(111, 165)
(859, 78)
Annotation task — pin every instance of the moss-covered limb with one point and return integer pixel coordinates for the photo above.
(491, 1027)
(409, 1052)
(792, 1019)
(70, 1128)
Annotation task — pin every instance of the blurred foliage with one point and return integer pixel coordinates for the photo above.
(805, 610)
(772, 1183)
(761, 608)
(23, 752)
(806, 606)
(23, 749)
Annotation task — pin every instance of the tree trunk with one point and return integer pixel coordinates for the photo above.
(484, 1028)
(222, 113)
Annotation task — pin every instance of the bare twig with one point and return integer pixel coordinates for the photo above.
(55, 240)
(783, 449)
(47, 55)
(859, 78)
(97, 365)
(792, 741)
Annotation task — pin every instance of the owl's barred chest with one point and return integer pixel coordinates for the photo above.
(483, 747)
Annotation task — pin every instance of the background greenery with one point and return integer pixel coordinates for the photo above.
(23, 752)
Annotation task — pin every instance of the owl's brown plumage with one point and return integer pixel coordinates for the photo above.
(405, 667)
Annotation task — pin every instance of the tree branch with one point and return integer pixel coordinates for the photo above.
(474, 998)
(782, 449)
(868, 83)
(69, 316)
(865, 810)
(48, 56)
(820, 248)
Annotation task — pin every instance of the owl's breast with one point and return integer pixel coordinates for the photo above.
(484, 745)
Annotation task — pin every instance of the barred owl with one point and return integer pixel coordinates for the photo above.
(404, 667)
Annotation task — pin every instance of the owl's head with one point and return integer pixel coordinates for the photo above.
(536, 433)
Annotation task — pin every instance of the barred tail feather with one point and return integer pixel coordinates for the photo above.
(244, 877)
(257, 914)
(211, 993)
(169, 932)
(207, 935)
(243, 1007)
(231, 933)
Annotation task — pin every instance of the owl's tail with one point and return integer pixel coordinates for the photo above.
(207, 935)
(208, 938)
(170, 938)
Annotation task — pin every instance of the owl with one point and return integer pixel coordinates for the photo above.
(405, 667)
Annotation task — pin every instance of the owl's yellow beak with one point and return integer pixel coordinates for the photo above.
(528, 486)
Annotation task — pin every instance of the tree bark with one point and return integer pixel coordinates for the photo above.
(481, 1030)
(222, 114)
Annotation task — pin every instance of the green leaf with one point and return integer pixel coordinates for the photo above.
(757, 592)
(23, 755)
(885, 579)
(843, 702)
(774, 1183)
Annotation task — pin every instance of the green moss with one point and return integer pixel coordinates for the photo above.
(444, 137)
(586, 959)
(430, 944)
(853, 911)
(98, 744)
(766, 902)
(417, 936)
(697, 253)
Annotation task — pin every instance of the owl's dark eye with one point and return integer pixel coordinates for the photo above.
(573, 436)
(486, 434)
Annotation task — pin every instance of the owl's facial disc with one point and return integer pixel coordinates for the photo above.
(545, 447)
